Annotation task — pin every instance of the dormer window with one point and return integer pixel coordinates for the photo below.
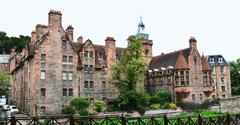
(220, 60)
(100, 55)
(211, 60)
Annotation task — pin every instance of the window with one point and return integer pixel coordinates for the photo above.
(43, 92)
(220, 60)
(213, 96)
(100, 55)
(91, 84)
(103, 69)
(85, 68)
(43, 58)
(211, 60)
(70, 59)
(91, 55)
(182, 78)
(193, 97)
(64, 75)
(200, 97)
(223, 88)
(222, 79)
(176, 78)
(104, 85)
(64, 92)
(42, 74)
(161, 80)
(70, 76)
(91, 69)
(222, 69)
(223, 96)
(43, 109)
(205, 78)
(64, 59)
(86, 55)
(64, 44)
(213, 69)
(213, 88)
(86, 84)
(70, 92)
(169, 79)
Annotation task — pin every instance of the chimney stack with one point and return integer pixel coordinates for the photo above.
(193, 43)
(80, 39)
(55, 19)
(70, 32)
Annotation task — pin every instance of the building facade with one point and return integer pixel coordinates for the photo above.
(221, 79)
(184, 73)
(53, 69)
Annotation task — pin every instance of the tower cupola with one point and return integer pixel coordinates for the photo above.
(141, 31)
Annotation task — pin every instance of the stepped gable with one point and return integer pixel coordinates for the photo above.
(169, 59)
(181, 62)
(205, 64)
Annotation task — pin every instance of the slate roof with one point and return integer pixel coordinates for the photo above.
(216, 61)
(169, 59)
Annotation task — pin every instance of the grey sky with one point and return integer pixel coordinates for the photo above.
(170, 23)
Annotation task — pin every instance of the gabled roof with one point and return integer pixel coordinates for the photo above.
(181, 62)
(205, 64)
(169, 59)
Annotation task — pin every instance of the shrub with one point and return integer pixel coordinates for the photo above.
(79, 103)
(155, 106)
(165, 105)
(83, 112)
(216, 101)
(68, 110)
(99, 105)
(172, 106)
(47, 122)
(161, 98)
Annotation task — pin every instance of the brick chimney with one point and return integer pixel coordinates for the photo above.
(110, 50)
(80, 39)
(193, 43)
(55, 18)
(70, 32)
(33, 36)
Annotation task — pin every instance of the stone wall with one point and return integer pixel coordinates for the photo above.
(231, 104)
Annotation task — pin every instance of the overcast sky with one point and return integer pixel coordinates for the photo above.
(170, 23)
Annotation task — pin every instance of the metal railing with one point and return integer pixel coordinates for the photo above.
(122, 120)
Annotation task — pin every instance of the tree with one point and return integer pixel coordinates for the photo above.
(235, 76)
(8, 43)
(4, 83)
(126, 75)
(80, 104)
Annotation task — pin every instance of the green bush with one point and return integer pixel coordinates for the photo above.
(47, 122)
(99, 105)
(83, 112)
(79, 103)
(172, 106)
(155, 106)
(165, 105)
(68, 109)
(161, 98)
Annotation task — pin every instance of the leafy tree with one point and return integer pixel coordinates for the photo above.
(4, 83)
(79, 103)
(235, 76)
(126, 75)
(8, 43)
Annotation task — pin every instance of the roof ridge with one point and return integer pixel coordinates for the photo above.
(171, 52)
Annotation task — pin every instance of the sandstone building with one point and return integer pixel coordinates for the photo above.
(53, 69)
(221, 79)
(184, 73)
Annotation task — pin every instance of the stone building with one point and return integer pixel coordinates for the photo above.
(53, 69)
(184, 73)
(4, 63)
(220, 76)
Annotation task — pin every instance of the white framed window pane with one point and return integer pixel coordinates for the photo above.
(64, 76)
(42, 74)
(70, 76)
